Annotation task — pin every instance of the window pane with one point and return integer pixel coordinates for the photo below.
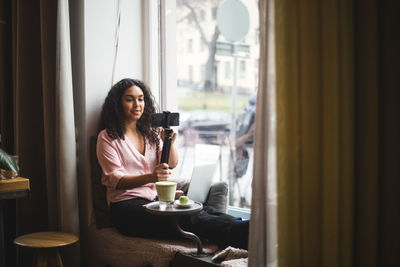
(217, 84)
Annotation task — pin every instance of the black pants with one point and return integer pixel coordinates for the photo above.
(131, 218)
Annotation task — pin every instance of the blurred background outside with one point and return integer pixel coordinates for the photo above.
(217, 85)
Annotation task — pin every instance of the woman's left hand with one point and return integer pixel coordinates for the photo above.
(173, 135)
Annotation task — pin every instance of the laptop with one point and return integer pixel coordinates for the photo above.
(202, 177)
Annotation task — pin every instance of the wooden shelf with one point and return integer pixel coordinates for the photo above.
(18, 183)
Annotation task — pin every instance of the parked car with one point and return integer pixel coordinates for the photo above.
(205, 126)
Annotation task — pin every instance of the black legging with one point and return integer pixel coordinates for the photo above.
(131, 218)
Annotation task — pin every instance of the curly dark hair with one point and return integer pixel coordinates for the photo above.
(112, 115)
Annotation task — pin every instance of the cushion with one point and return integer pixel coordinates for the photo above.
(99, 194)
(218, 196)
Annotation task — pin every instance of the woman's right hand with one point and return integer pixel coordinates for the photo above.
(161, 173)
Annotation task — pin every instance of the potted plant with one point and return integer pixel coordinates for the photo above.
(9, 168)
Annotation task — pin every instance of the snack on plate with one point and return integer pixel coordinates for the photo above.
(183, 200)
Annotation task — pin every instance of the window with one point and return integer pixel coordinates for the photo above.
(228, 70)
(190, 74)
(242, 69)
(257, 36)
(202, 72)
(214, 13)
(202, 15)
(190, 46)
(213, 94)
(202, 46)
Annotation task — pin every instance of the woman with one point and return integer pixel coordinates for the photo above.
(129, 151)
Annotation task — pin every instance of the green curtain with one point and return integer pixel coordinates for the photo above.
(337, 132)
(377, 132)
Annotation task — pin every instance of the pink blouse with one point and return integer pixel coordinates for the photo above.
(118, 158)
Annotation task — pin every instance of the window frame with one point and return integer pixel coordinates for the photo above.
(168, 85)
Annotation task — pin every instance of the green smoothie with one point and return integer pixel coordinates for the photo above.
(166, 191)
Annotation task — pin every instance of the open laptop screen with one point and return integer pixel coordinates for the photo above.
(202, 177)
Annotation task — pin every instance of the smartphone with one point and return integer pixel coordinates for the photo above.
(165, 119)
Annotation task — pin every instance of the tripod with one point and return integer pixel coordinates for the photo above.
(167, 145)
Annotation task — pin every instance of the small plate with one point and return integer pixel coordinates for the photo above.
(187, 205)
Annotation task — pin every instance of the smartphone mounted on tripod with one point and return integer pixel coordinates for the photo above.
(165, 120)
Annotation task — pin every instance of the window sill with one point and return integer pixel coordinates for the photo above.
(239, 212)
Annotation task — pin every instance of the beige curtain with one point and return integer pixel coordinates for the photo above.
(262, 239)
(44, 120)
(67, 174)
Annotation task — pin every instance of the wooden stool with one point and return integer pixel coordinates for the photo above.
(46, 245)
